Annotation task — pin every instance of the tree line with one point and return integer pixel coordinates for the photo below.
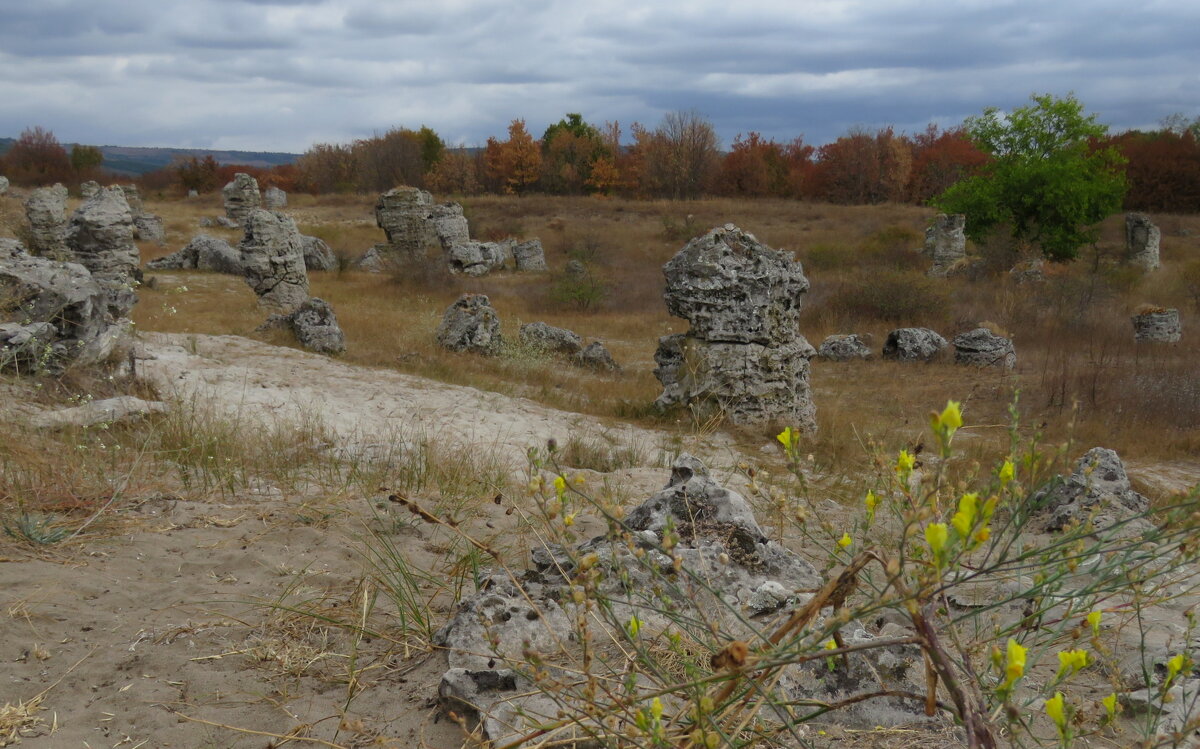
(681, 158)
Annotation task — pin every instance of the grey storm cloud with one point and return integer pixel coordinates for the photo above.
(282, 74)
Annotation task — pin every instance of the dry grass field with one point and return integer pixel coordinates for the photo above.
(1079, 373)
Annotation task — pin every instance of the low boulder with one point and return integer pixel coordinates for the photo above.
(274, 199)
(983, 348)
(596, 356)
(123, 409)
(529, 256)
(844, 348)
(1157, 325)
(317, 254)
(478, 258)
(89, 188)
(548, 338)
(471, 325)
(314, 325)
(913, 344)
(204, 252)
(148, 227)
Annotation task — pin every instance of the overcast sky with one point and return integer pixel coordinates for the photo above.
(279, 75)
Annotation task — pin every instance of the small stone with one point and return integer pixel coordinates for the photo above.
(89, 188)
(314, 325)
(529, 256)
(204, 252)
(317, 254)
(274, 199)
(596, 356)
(844, 348)
(1142, 239)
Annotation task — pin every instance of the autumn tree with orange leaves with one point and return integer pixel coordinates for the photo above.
(517, 162)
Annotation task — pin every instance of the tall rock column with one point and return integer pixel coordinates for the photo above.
(403, 213)
(46, 209)
(272, 254)
(241, 197)
(946, 242)
(100, 238)
(743, 352)
(1141, 241)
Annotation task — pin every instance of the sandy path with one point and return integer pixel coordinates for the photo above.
(360, 404)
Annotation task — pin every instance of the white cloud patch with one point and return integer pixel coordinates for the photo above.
(281, 74)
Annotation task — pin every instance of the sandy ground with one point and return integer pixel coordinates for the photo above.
(180, 630)
(164, 635)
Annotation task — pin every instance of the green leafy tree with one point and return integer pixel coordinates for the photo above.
(86, 159)
(1046, 183)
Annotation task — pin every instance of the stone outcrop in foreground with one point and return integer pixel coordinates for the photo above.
(722, 571)
(59, 315)
(743, 353)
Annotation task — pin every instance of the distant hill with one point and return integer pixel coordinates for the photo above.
(135, 160)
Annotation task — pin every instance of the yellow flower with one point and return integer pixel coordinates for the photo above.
(560, 486)
(1175, 664)
(983, 534)
(831, 645)
(634, 626)
(936, 536)
(656, 709)
(845, 541)
(1056, 709)
(964, 520)
(1014, 667)
(1110, 705)
(905, 462)
(871, 501)
(1007, 472)
(569, 519)
(951, 418)
(1070, 661)
(1093, 620)
(789, 438)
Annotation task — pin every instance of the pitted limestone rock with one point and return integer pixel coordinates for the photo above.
(89, 188)
(732, 288)
(1159, 325)
(202, 253)
(403, 214)
(100, 238)
(1098, 489)
(743, 353)
(1142, 239)
(844, 347)
(946, 242)
(478, 258)
(60, 316)
(471, 325)
(272, 256)
(46, 210)
(241, 198)
(913, 344)
(449, 224)
(983, 348)
(314, 325)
